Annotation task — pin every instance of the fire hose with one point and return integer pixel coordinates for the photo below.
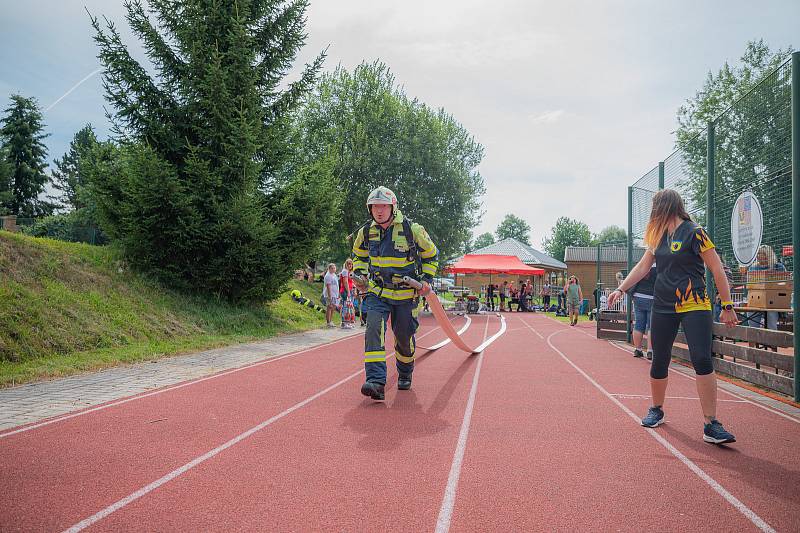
(441, 317)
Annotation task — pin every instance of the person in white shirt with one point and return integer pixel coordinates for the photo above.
(330, 293)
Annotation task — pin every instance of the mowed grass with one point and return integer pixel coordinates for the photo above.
(68, 307)
(566, 319)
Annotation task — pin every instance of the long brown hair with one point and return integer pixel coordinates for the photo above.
(667, 204)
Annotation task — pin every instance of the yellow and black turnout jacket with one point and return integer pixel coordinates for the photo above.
(387, 255)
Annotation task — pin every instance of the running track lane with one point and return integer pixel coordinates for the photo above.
(343, 463)
(67, 470)
(762, 469)
(548, 452)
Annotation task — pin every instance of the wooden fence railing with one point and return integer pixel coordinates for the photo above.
(754, 355)
(731, 344)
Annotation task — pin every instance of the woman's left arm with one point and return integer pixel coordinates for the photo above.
(712, 261)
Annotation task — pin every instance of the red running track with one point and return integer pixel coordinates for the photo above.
(534, 434)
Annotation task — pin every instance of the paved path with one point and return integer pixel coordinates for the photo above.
(36, 401)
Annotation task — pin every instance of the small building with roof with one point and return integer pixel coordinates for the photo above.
(555, 270)
(582, 262)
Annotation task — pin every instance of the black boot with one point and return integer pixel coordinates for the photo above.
(373, 390)
(403, 381)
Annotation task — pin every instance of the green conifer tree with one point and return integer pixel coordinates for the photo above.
(21, 133)
(198, 190)
(67, 176)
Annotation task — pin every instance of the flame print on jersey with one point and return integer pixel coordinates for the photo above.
(705, 241)
(692, 300)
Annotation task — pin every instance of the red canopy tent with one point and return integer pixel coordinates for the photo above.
(493, 264)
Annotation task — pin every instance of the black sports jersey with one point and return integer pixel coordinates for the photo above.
(681, 284)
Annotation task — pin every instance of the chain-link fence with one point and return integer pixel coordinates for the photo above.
(640, 201)
(753, 179)
(746, 153)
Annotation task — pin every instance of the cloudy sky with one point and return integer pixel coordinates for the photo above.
(572, 100)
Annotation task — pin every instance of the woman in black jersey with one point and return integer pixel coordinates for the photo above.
(681, 250)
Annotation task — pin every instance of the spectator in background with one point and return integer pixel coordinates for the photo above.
(766, 262)
(529, 295)
(490, 297)
(503, 295)
(546, 296)
(346, 290)
(623, 303)
(574, 299)
(642, 308)
(330, 293)
(523, 291)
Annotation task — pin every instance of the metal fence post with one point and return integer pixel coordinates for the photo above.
(796, 212)
(660, 175)
(630, 260)
(599, 284)
(710, 183)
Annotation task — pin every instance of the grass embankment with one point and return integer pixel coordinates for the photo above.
(67, 308)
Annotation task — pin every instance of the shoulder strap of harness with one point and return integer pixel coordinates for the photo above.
(413, 250)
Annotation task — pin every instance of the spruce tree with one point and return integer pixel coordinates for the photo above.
(21, 132)
(200, 190)
(67, 176)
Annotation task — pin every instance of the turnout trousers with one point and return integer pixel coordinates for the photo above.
(404, 326)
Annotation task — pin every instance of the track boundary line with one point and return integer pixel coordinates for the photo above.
(647, 396)
(719, 489)
(168, 388)
(83, 524)
(747, 400)
(449, 499)
(447, 340)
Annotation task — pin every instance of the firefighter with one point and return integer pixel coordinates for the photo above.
(384, 251)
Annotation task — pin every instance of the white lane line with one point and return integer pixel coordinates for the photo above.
(83, 524)
(531, 328)
(647, 397)
(449, 500)
(494, 337)
(167, 389)
(447, 340)
(720, 389)
(730, 498)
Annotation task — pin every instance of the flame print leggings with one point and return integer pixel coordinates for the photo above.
(697, 329)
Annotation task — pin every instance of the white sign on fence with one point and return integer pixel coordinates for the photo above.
(747, 227)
